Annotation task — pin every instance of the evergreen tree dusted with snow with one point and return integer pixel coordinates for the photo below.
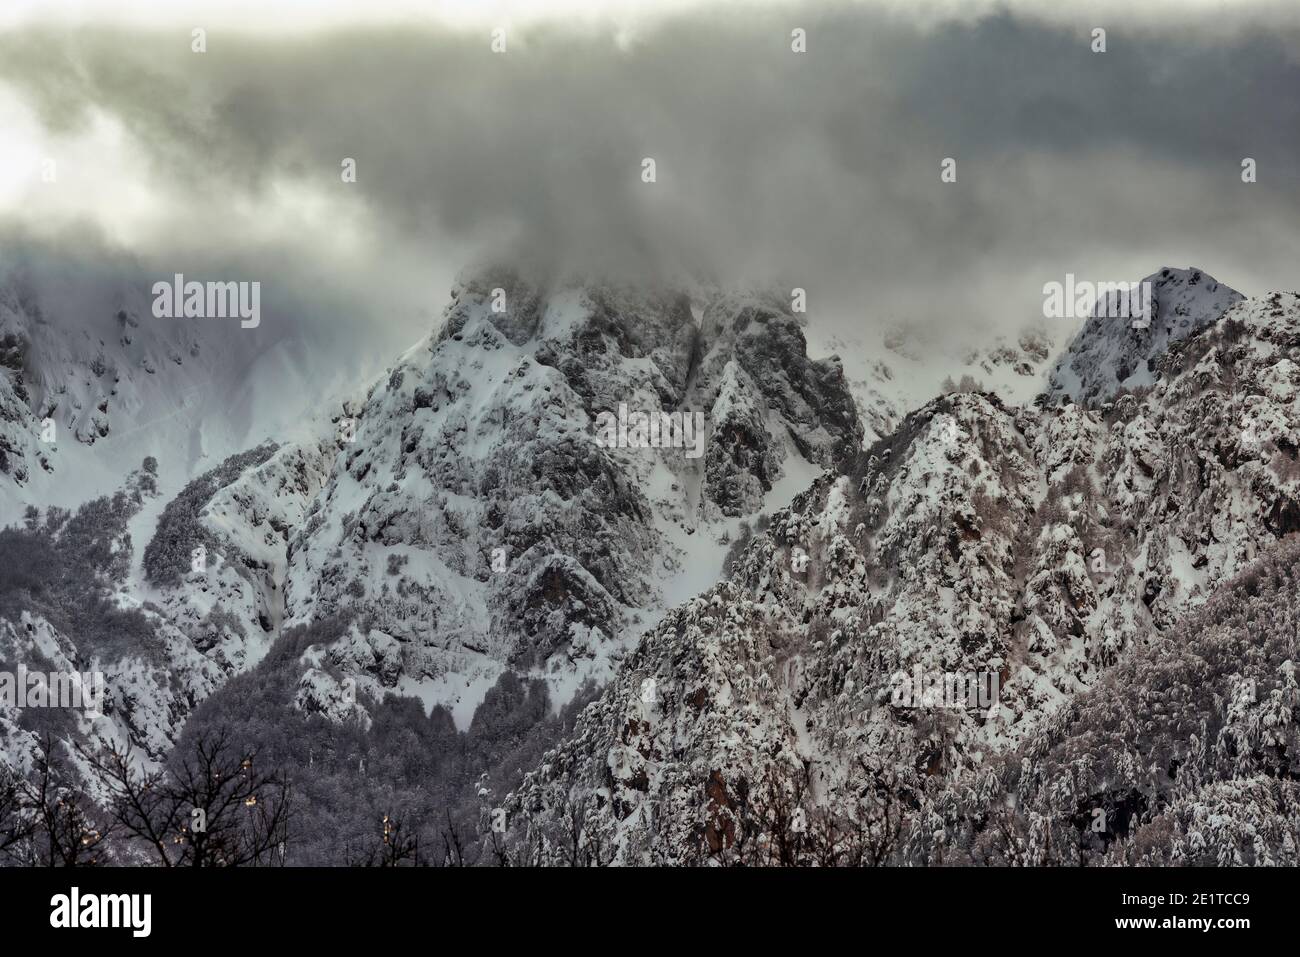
(1187, 751)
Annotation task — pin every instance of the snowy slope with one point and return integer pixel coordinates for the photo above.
(84, 353)
(463, 518)
(186, 627)
(893, 369)
(476, 524)
(1036, 544)
(1110, 354)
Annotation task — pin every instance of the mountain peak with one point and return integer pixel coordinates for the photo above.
(1110, 354)
(484, 481)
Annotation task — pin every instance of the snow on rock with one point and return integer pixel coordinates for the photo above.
(1110, 354)
(91, 383)
(894, 369)
(481, 520)
(191, 629)
(1038, 545)
(231, 609)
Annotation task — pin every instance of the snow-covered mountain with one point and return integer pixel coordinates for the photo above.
(91, 383)
(1112, 353)
(894, 369)
(770, 580)
(1026, 550)
(127, 430)
(476, 522)
(461, 512)
(203, 607)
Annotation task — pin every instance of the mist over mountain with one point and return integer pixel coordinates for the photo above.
(459, 539)
(854, 434)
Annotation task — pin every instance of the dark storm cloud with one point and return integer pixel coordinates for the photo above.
(817, 169)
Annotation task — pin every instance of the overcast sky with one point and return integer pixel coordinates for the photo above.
(819, 169)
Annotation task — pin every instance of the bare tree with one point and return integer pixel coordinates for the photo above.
(396, 847)
(500, 853)
(215, 808)
(16, 824)
(453, 848)
(140, 803)
(66, 829)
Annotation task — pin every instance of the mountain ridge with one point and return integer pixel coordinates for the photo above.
(1100, 529)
